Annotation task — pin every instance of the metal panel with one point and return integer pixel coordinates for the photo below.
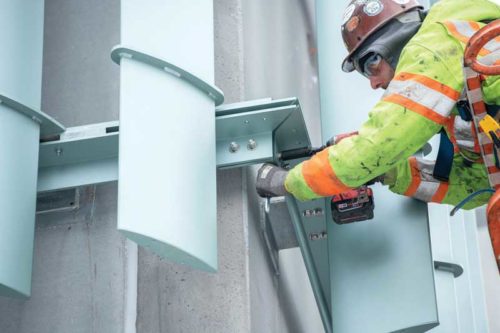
(213, 92)
(167, 189)
(461, 300)
(381, 270)
(21, 32)
(18, 159)
(48, 125)
(20, 85)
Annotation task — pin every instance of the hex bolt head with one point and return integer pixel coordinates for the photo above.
(252, 144)
(58, 151)
(234, 147)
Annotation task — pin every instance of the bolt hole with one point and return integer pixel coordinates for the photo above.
(359, 38)
(71, 203)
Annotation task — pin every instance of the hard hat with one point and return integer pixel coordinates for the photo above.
(362, 18)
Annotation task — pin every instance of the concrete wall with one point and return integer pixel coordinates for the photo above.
(87, 277)
(280, 61)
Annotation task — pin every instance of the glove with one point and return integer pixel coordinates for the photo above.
(271, 181)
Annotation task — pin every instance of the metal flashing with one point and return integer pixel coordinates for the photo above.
(121, 51)
(48, 125)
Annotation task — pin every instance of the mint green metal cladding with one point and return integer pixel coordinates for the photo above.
(19, 163)
(21, 32)
(167, 163)
(381, 271)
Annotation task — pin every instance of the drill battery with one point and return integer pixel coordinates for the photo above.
(353, 206)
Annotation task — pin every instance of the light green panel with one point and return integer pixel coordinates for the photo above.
(384, 268)
(19, 163)
(21, 33)
(381, 271)
(167, 161)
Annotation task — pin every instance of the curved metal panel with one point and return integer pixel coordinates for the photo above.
(21, 33)
(119, 52)
(48, 125)
(19, 137)
(167, 161)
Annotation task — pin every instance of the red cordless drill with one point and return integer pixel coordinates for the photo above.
(352, 206)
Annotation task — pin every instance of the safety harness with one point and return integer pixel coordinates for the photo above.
(471, 108)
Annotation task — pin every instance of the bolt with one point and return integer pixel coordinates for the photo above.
(252, 144)
(171, 71)
(246, 122)
(59, 151)
(234, 147)
(36, 120)
(125, 55)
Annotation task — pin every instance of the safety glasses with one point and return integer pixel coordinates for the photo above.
(369, 65)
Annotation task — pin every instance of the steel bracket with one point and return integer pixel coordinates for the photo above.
(119, 52)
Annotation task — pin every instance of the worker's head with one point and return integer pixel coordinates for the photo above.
(374, 33)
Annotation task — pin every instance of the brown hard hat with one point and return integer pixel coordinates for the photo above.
(363, 17)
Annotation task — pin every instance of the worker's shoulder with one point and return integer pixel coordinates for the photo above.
(434, 38)
(465, 10)
(432, 52)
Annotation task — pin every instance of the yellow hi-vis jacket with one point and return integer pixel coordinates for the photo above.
(419, 101)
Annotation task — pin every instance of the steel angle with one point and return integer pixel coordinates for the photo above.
(48, 125)
(119, 52)
(248, 123)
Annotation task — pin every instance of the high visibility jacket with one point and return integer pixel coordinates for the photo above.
(419, 101)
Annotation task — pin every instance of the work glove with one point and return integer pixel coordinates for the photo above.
(271, 181)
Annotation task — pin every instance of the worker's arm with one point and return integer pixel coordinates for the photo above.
(413, 109)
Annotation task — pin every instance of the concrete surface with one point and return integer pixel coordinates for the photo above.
(79, 272)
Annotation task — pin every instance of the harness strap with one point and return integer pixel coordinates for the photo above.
(478, 108)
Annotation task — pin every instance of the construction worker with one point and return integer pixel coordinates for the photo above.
(417, 58)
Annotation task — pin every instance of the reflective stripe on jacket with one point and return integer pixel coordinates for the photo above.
(417, 104)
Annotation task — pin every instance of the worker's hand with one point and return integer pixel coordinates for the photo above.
(339, 137)
(271, 181)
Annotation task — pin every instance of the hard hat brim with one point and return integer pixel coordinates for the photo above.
(348, 65)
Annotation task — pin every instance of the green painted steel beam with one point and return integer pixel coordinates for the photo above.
(88, 154)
